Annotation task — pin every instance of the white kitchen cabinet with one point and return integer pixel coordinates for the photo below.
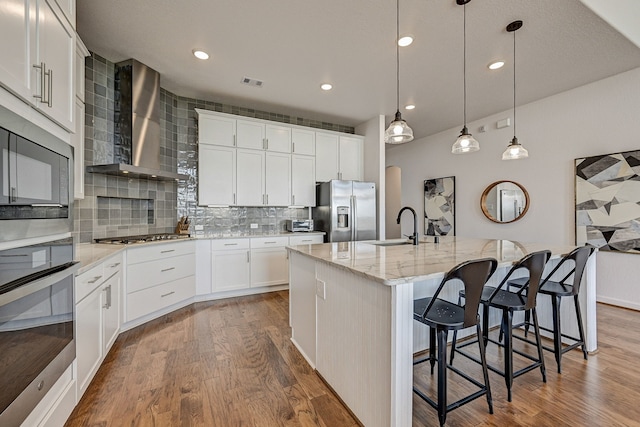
(277, 179)
(303, 180)
(250, 178)
(68, 7)
(250, 134)
(97, 295)
(350, 157)
(77, 139)
(216, 175)
(269, 263)
(326, 157)
(310, 239)
(278, 138)
(339, 157)
(36, 37)
(216, 130)
(88, 338)
(230, 264)
(16, 47)
(55, 55)
(303, 142)
(158, 276)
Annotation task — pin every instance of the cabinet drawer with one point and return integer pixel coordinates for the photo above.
(158, 297)
(148, 274)
(268, 242)
(88, 281)
(306, 240)
(112, 266)
(156, 252)
(226, 244)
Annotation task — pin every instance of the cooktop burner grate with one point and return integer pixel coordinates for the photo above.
(144, 238)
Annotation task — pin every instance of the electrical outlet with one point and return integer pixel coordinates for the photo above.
(321, 289)
(254, 225)
(199, 227)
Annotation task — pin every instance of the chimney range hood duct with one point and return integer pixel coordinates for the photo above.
(137, 125)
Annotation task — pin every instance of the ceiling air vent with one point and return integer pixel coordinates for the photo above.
(251, 82)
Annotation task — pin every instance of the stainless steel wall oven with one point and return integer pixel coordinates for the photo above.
(37, 318)
(36, 184)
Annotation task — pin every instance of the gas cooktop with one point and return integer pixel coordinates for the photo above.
(144, 238)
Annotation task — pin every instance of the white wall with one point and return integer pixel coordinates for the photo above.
(598, 118)
(373, 157)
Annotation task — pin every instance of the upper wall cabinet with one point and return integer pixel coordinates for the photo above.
(303, 142)
(338, 157)
(37, 44)
(215, 130)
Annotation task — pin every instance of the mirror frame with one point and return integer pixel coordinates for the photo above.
(485, 193)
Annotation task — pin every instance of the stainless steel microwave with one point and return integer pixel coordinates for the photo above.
(36, 184)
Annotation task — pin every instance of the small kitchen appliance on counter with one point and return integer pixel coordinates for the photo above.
(295, 225)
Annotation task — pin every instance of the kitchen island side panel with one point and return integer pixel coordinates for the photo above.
(362, 351)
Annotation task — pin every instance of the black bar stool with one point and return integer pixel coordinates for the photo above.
(443, 316)
(556, 290)
(509, 302)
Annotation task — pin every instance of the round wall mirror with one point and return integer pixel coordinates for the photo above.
(504, 201)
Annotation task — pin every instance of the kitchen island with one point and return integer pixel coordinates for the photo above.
(351, 312)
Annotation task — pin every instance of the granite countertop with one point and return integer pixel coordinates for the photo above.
(392, 265)
(89, 254)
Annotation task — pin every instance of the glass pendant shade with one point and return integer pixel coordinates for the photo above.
(515, 151)
(398, 131)
(465, 143)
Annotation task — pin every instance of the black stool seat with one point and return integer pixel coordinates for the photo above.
(443, 313)
(557, 289)
(442, 316)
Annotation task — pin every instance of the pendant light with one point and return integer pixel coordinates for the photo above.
(398, 131)
(465, 143)
(514, 150)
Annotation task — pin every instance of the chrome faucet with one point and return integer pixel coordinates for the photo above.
(413, 237)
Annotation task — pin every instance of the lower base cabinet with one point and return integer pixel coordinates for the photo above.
(230, 264)
(269, 263)
(159, 276)
(97, 293)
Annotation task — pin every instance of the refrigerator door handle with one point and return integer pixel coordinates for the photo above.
(354, 218)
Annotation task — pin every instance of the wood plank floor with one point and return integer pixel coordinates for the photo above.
(231, 363)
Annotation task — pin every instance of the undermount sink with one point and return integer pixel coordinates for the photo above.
(391, 242)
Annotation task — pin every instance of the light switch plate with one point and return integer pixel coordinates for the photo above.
(321, 289)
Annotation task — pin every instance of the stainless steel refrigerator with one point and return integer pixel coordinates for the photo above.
(345, 210)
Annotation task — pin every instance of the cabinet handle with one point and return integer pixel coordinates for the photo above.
(13, 194)
(50, 74)
(264, 144)
(12, 256)
(114, 265)
(167, 269)
(307, 240)
(267, 140)
(231, 244)
(269, 243)
(95, 279)
(248, 257)
(293, 147)
(166, 295)
(267, 199)
(167, 251)
(234, 198)
(293, 199)
(42, 79)
(107, 291)
(235, 141)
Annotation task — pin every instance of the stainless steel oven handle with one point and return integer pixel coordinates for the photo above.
(46, 205)
(36, 285)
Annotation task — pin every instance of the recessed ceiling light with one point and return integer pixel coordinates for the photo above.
(326, 86)
(405, 41)
(200, 54)
(496, 65)
(409, 107)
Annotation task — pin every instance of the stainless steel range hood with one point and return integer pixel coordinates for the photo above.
(137, 125)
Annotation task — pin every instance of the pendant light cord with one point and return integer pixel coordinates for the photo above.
(464, 61)
(397, 55)
(514, 84)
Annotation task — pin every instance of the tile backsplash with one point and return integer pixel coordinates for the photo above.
(118, 206)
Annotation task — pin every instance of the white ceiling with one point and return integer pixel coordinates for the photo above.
(295, 45)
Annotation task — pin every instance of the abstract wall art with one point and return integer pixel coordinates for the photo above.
(608, 201)
(439, 206)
